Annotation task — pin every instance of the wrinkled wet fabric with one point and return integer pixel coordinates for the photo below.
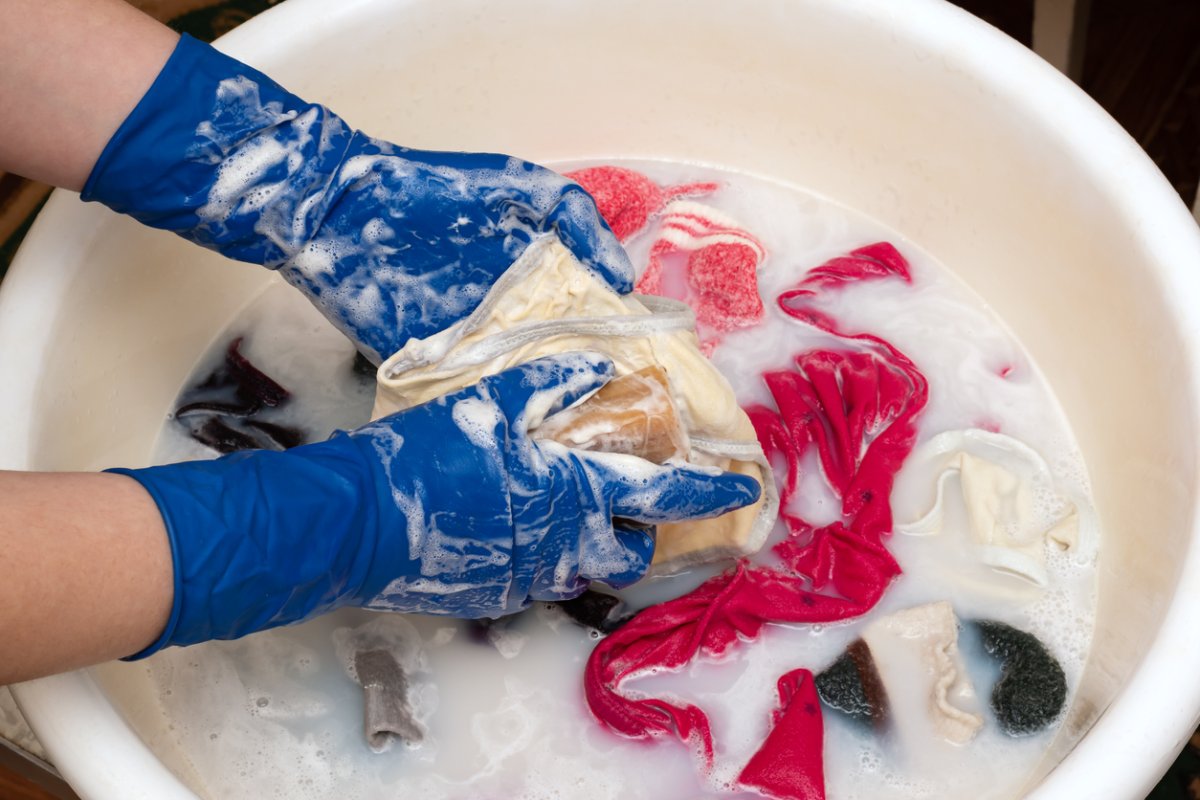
(632, 414)
(548, 303)
(790, 764)
(720, 261)
(627, 199)
(1013, 507)
(915, 652)
(858, 407)
(389, 243)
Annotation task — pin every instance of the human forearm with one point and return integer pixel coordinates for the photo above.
(70, 72)
(87, 572)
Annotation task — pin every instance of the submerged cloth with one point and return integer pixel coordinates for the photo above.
(720, 262)
(858, 406)
(386, 658)
(790, 765)
(627, 199)
(632, 414)
(386, 713)
(915, 652)
(548, 303)
(1012, 505)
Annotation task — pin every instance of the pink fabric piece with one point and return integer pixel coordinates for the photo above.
(720, 260)
(858, 406)
(627, 198)
(879, 260)
(790, 764)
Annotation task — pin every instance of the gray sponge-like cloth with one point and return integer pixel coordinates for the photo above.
(1032, 688)
(852, 685)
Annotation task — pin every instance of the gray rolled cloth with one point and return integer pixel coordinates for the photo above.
(387, 715)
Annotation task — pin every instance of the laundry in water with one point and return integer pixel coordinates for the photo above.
(1032, 689)
(858, 408)
(852, 685)
(1005, 488)
(916, 654)
(632, 414)
(386, 714)
(223, 412)
(627, 199)
(719, 262)
(384, 657)
(548, 303)
(790, 764)
(596, 610)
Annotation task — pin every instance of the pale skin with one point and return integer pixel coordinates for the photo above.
(85, 562)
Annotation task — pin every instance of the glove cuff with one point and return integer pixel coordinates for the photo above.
(177, 596)
(222, 155)
(261, 539)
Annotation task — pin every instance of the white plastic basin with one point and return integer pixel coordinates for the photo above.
(909, 110)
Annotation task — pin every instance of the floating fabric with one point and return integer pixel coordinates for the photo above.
(385, 657)
(720, 260)
(221, 411)
(386, 713)
(916, 654)
(602, 612)
(872, 262)
(631, 414)
(858, 406)
(548, 303)
(1012, 505)
(852, 685)
(627, 198)
(1032, 689)
(790, 764)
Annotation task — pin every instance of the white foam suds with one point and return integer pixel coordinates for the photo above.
(277, 714)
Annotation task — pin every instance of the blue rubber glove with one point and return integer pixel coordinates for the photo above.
(446, 508)
(388, 243)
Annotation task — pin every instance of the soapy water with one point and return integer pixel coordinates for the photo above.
(278, 714)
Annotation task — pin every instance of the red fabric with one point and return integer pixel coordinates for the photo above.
(789, 765)
(858, 406)
(720, 260)
(627, 198)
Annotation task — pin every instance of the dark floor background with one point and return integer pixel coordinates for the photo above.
(1141, 63)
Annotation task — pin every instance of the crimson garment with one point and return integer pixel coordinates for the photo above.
(858, 406)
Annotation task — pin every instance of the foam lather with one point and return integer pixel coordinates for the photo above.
(548, 303)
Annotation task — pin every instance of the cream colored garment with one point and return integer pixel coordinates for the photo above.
(548, 303)
(1006, 490)
(916, 655)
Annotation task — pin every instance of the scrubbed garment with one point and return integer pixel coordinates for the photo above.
(790, 764)
(858, 407)
(916, 654)
(1032, 688)
(548, 303)
(1013, 508)
(627, 199)
(632, 414)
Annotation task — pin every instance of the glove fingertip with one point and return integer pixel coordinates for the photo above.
(722, 493)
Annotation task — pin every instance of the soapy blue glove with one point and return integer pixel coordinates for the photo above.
(449, 508)
(389, 243)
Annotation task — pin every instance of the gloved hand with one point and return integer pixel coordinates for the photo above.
(388, 243)
(446, 508)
